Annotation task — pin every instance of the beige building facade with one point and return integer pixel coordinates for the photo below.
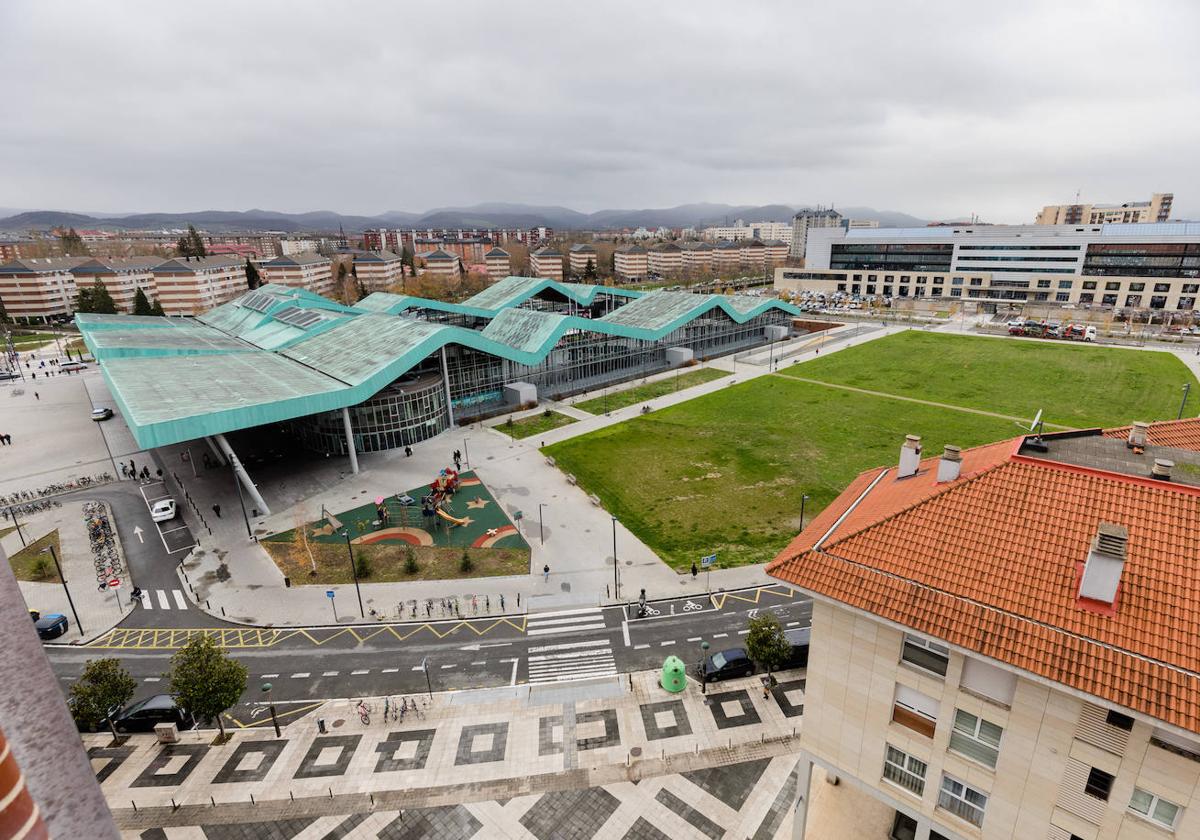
(546, 263)
(192, 285)
(121, 277)
(631, 263)
(499, 263)
(441, 264)
(36, 291)
(308, 270)
(1157, 209)
(580, 255)
(378, 271)
(665, 259)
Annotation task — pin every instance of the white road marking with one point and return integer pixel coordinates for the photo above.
(179, 599)
(547, 630)
(792, 623)
(270, 676)
(302, 675)
(695, 638)
(743, 632)
(444, 667)
(540, 616)
(358, 673)
(574, 654)
(152, 679)
(418, 668)
(665, 644)
(145, 600)
(569, 645)
(173, 530)
(329, 673)
(640, 647)
(480, 662)
(625, 632)
(513, 681)
(720, 635)
(162, 600)
(389, 670)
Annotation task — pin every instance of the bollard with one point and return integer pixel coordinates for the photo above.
(134, 804)
(173, 805)
(331, 793)
(252, 802)
(222, 612)
(372, 800)
(292, 796)
(207, 606)
(213, 801)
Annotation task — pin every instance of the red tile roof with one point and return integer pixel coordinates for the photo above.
(1182, 434)
(991, 561)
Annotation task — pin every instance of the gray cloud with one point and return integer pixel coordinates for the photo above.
(934, 108)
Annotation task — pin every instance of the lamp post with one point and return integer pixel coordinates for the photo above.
(541, 530)
(616, 581)
(17, 525)
(803, 499)
(1187, 387)
(703, 679)
(428, 683)
(466, 454)
(266, 689)
(63, 578)
(354, 572)
(241, 500)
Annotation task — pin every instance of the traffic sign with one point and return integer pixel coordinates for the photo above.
(705, 562)
(328, 593)
(115, 583)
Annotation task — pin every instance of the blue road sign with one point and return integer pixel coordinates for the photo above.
(708, 561)
(328, 593)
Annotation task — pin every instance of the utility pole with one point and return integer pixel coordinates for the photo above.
(63, 578)
(354, 572)
(616, 581)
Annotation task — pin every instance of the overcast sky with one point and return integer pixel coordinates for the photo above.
(936, 109)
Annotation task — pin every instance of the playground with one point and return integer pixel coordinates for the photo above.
(423, 533)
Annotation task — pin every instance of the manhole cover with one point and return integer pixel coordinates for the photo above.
(628, 562)
(635, 752)
(338, 722)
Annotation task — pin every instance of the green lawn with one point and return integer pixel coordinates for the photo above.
(1077, 386)
(21, 340)
(30, 563)
(725, 472)
(535, 425)
(642, 393)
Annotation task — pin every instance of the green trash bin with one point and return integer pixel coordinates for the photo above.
(674, 675)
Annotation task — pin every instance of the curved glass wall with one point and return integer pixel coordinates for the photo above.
(408, 411)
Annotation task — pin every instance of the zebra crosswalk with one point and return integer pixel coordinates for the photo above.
(571, 661)
(564, 621)
(162, 600)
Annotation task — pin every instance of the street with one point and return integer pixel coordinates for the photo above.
(305, 665)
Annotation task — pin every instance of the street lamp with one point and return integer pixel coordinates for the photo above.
(425, 668)
(241, 500)
(1187, 387)
(63, 578)
(541, 530)
(703, 656)
(616, 581)
(466, 454)
(266, 689)
(803, 499)
(354, 572)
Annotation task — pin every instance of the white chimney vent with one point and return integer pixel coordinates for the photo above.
(910, 456)
(1105, 562)
(950, 464)
(1137, 434)
(1162, 469)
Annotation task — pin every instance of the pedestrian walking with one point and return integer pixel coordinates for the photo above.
(158, 472)
(145, 473)
(217, 510)
(546, 572)
(132, 469)
(8, 440)
(36, 394)
(3, 442)
(124, 470)
(694, 570)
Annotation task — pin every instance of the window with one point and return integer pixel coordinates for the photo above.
(841, 287)
(957, 281)
(1162, 287)
(1133, 300)
(1099, 784)
(1043, 284)
(925, 654)
(888, 278)
(905, 770)
(915, 710)
(1108, 300)
(1191, 288)
(922, 280)
(887, 291)
(1158, 301)
(976, 281)
(870, 288)
(1089, 284)
(963, 801)
(1065, 284)
(1154, 808)
(1062, 297)
(937, 291)
(976, 738)
(956, 293)
(904, 827)
(1086, 297)
(1177, 744)
(1114, 718)
(1137, 287)
(1112, 287)
(988, 681)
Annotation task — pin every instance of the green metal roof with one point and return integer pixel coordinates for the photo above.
(512, 291)
(206, 381)
(95, 322)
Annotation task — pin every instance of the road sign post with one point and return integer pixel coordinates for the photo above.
(329, 593)
(706, 563)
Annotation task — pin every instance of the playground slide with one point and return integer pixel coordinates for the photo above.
(450, 518)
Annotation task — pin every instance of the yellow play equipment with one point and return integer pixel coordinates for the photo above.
(450, 518)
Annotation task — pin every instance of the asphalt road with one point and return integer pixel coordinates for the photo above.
(312, 664)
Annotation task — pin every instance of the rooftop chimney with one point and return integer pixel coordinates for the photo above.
(1105, 562)
(1137, 435)
(950, 464)
(910, 456)
(1162, 469)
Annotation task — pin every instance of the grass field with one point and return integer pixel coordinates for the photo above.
(28, 340)
(31, 564)
(642, 393)
(537, 424)
(387, 561)
(1076, 386)
(725, 472)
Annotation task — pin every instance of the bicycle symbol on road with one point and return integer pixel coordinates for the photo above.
(649, 610)
(692, 606)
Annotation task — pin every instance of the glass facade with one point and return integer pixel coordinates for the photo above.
(1143, 260)
(408, 411)
(885, 256)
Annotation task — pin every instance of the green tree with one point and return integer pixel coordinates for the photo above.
(362, 564)
(766, 643)
(102, 689)
(252, 278)
(72, 244)
(589, 270)
(205, 681)
(410, 561)
(96, 299)
(191, 244)
(466, 565)
(156, 309)
(141, 304)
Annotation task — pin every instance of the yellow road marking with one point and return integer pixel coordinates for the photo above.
(266, 719)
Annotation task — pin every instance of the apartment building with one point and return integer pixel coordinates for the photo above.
(1126, 266)
(631, 263)
(1157, 209)
(546, 262)
(288, 247)
(122, 277)
(580, 255)
(498, 262)
(378, 271)
(248, 245)
(665, 259)
(307, 270)
(192, 285)
(1003, 638)
(396, 239)
(442, 264)
(698, 257)
(467, 249)
(727, 256)
(775, 253)
(37, 291)
(753, 255)
(750, 230)
(10, 250)
(810, 219)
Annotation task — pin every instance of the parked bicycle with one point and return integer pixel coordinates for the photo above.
(364, 712)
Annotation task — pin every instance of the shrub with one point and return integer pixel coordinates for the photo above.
(466, 565)
(41, 568)
(547, 414)
(362, 565)
(410, 561)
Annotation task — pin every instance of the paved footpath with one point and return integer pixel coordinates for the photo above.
(608, 758)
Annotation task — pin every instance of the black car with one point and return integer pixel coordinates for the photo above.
(144, 715)
(797, 640)
(50, 625)
(726, 664)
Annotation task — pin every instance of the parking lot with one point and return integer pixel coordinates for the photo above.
(174, 533)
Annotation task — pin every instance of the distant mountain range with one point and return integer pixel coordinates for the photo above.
(479, 215)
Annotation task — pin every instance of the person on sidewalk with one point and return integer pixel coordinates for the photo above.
(36, 394)
(694, 570)
(217, 510)
(546, 572)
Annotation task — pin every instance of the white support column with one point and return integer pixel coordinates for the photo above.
(215, 451)
(446, 381)
(350, 441)
(242, 475)
(803, 781)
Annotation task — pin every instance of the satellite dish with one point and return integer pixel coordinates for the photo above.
(1037, 421)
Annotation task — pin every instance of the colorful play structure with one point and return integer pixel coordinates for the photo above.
(441, 491)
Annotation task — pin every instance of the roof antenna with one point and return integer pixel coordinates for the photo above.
(1036, 426)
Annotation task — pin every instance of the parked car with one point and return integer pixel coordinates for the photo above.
(99, 414)
(726, 664)
(798, 639)
(51, 625)
(144, 715)
(163, 510)
(72, 366)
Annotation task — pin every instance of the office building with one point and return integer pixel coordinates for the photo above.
(809, 219)
(1127, 266)
(546, 263)
(1157, 209)
(306, 270)
(1004, 638)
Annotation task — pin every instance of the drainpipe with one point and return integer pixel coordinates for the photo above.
(241, 473)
